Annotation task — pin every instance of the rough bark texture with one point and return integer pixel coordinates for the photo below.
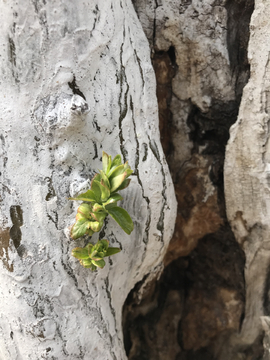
(197, 308)
(76, 79)
(247, 180)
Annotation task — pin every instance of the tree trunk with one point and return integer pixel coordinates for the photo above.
(76, 79)
(247, 182)
(218, 304)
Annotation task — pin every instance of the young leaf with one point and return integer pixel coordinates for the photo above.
(111, 205)
(105, 192)
(80, 253)
(117, 181)
(104, 243)
(99, 216)
(95, 188)
(112, 251)
(105, 179)
(113, 199)
(122, 217)
(116, 161)
(101, 263)
(106, 162)
(116, 171)
(97, 257)
(97, 177)
(98, 207)
(89, 195)
(124, 184)
(96, 226)
(129, 172)
(85, 209)
(87, 263)
(126, 166)
(79, 228)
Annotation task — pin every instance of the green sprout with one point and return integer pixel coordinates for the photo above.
(98, 202)
(91, 256)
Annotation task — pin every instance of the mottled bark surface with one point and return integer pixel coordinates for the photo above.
(76, 79)
(247, 180)
(199, 53)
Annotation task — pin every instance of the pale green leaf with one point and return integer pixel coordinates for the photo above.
(117, 181)
(105, 192)
(89, 195)
(112, 251)
(116, 161)
(101, 263)
(124, 184)
(122, 217)
(80, 253)
(99, 216)
(96, 226)
(96, 189)
(105, 179)
(116, 171)
(84, 209)
(79, 228)
(105, 162)
(113, 199)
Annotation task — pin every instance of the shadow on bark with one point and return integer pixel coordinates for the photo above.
(197, 305)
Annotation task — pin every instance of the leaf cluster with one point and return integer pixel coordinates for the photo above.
(91, 256)
(101, 200)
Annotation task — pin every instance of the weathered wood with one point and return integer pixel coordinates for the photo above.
(76, 79)
(247, 179)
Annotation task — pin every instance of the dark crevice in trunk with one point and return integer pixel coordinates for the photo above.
(197, 306)
(239, 13)
(164, 63)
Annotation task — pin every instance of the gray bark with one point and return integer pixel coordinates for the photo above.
(76, 79)
(247, 181)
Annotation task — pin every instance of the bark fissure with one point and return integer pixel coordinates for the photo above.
(195, 117)
(137, 174)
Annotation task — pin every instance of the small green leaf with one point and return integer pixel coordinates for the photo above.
(89, 195)
(112, 251)
(105, 179)
(116, 161)
(87, 263)
(104, 243)
(80, 253)
(122, 217)
(96, 226)
(129, 172)
(97, 257)
(106, 162)
(111, 205)
(117, 181)
(95, 188)
(97, 207)
(101, 263)
(124, 185)
(126, 166)
(113, 199)
(79, 228)
(99, 216)
(105, 192)
(85, 209)
(97, 177)
(116, 171)
(81, 217)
